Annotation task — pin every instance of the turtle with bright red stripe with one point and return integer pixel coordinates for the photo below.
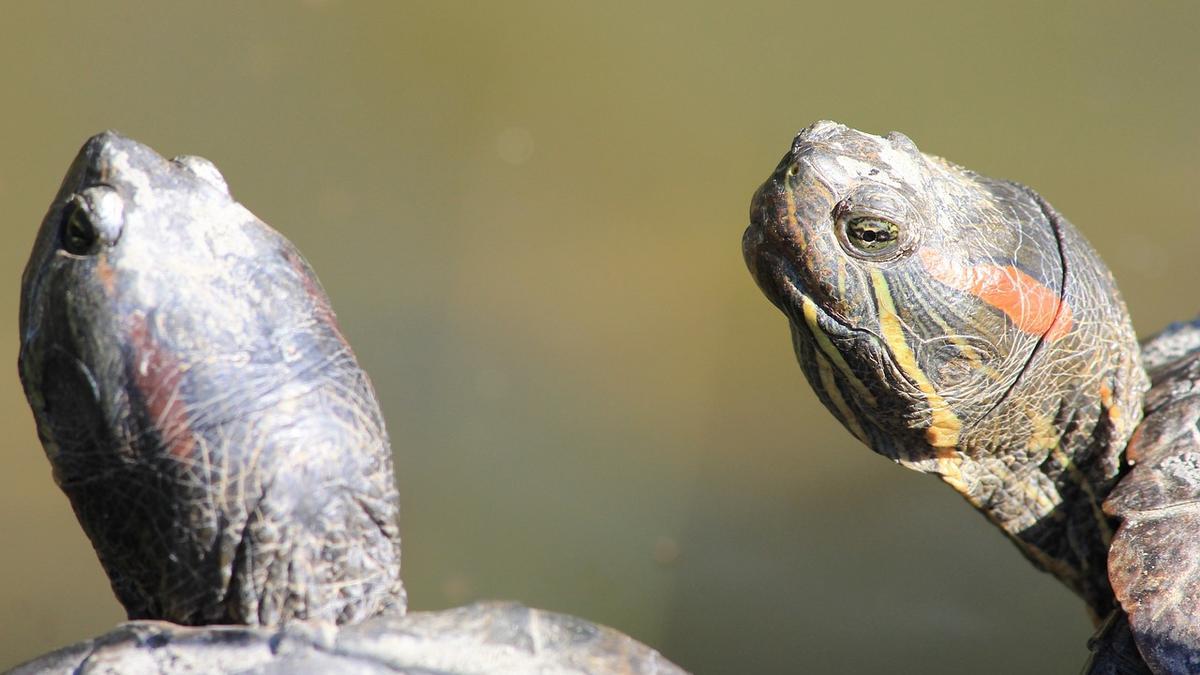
(960, 326)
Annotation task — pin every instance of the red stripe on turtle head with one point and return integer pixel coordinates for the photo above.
(1033, 307)
(157, 375)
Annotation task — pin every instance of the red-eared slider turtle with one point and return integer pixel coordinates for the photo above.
(960, 326)
(225, 453)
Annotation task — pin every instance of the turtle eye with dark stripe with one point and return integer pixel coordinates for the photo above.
(79, 233)
(869, 236)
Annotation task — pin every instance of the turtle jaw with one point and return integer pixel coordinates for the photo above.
(836, 335)
(790, 250)
(830, 351)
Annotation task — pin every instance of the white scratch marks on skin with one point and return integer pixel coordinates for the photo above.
(136, 178)
(901, 166)
(230, 238)
(859, 168)
(896, 168)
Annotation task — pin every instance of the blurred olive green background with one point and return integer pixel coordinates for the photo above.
(528, 216)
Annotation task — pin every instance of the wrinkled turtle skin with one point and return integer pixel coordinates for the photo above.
(960, 326)
(224, 451)
(219, 444)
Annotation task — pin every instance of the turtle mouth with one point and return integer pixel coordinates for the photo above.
(786, 288)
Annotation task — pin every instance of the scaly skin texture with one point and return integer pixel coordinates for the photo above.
(219, 443)
(981, 339)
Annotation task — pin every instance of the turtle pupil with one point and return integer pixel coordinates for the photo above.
(871, 235)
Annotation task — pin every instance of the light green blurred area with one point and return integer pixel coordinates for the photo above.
(529, 215)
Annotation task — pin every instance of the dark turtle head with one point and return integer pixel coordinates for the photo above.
(135, 250)
(954, 323)
(198, 404)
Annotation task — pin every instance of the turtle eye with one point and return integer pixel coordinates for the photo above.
(78, 232)
(869, 236)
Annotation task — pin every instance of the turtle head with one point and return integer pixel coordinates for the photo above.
(954, 323)
(121, 246)
(144, 268)
(198, 403)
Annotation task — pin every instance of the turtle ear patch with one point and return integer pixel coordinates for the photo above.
(1033, 307)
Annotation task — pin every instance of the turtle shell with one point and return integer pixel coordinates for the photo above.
(485, 637)
(1153, 563)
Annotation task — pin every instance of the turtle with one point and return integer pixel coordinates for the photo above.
(224, 451)
(960, 326)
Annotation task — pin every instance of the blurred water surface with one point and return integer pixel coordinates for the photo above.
(528, 216)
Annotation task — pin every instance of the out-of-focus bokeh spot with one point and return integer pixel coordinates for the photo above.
(528, 215)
